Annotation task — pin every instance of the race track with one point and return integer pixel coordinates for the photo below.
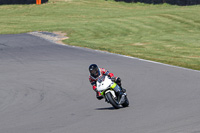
(44, 88)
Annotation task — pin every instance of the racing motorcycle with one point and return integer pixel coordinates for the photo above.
(110, 91)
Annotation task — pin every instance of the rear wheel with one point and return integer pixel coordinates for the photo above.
(112, 101)
(126, 103)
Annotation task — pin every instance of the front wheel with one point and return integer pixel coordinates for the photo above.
(112, 101)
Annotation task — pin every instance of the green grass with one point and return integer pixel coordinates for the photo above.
(164, 33)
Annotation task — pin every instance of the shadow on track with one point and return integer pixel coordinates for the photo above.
(108, 108)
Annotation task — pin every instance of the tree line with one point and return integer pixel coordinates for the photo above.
(2, 2)
(173, 2)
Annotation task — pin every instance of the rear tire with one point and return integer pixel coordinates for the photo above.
(126, 103)
(112, 101)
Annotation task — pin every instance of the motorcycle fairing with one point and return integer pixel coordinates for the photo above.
(103, 83)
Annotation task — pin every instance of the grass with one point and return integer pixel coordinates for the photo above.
(164, 33)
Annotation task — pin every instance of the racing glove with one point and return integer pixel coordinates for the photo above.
(110, 75)
(94, 87)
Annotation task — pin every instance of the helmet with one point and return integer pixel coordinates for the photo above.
(94, 70)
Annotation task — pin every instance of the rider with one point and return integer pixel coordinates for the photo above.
(96, 72)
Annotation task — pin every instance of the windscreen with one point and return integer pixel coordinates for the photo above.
(101, 79)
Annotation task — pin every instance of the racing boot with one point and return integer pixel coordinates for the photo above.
(123, 90)
(120, 85)
(118, 81)
(99, 96)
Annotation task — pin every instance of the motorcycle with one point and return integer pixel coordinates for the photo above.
(109, 89)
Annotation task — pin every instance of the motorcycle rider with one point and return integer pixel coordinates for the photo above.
(96, 72)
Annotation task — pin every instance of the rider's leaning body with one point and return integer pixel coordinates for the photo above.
(96, 72)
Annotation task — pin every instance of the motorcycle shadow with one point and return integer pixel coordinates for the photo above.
(107, 108)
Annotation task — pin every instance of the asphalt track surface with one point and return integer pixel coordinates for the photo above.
(44, 88)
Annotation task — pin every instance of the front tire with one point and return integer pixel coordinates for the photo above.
(112, 101)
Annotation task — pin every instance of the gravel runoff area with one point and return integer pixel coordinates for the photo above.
(55, 37)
